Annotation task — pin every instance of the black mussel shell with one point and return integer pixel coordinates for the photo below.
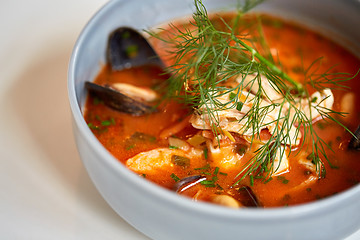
(127, 48)
(246, 196)
(188, 182)
(354, 143)
(117, 100)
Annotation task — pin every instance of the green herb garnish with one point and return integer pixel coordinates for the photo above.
(174, 177)
(180, 161)
(208, 57)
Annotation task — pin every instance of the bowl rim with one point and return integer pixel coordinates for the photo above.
(164, 195)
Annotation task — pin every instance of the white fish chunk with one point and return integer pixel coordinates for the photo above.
(236, 120)
(158, 159)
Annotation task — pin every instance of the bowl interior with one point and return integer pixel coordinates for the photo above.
(331, 17)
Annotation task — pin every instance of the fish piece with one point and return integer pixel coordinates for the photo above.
(150, 162)
(235, 119)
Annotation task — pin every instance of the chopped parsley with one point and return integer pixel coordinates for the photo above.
(174, 177)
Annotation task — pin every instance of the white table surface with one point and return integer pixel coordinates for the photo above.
(45, 192)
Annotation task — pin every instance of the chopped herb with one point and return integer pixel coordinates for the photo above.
(206, 153)
(174, 177)
(286, 197)
(216, 171)
(314, 99)
(251, 180)
(311, 156)
(132, 51)
(139, 137)
(241, 149)
(180, 161)
(317, 196)
(112, 120)
(106, 123)
(143, 175)
(222, 173)
(283, 179)
(208, 183)
(125, 35)
(321, 125)
(239, 106)
(268, 180)
(97, 101)
(219, 187)
(92, 126)
(308, 189)
(173, 147)
(96, 128)
(206, 167)
(130, 147)
(212, 182)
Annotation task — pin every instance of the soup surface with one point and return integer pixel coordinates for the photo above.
(169, 148)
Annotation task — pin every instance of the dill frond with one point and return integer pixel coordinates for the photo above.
(206, 57)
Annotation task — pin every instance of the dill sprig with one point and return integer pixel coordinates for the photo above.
(207, 57)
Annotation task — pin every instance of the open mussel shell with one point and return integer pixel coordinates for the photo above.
(127, 48)
(354, 143)
(188, 182)
(117, 100)
(246, 196)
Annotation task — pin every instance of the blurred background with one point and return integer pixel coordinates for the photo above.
(45, 192)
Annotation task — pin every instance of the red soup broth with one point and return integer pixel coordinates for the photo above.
(296, 47)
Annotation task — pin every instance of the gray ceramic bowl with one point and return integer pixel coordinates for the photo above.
(161, 214)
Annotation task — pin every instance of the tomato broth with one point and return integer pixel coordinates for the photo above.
(296, 47)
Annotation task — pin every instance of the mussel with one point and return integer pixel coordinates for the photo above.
(127, 48)
(354, 143)
(246, 196)
(118, 100)
(242, 194)
(188, 182)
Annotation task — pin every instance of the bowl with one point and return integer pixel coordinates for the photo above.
(163, 215)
